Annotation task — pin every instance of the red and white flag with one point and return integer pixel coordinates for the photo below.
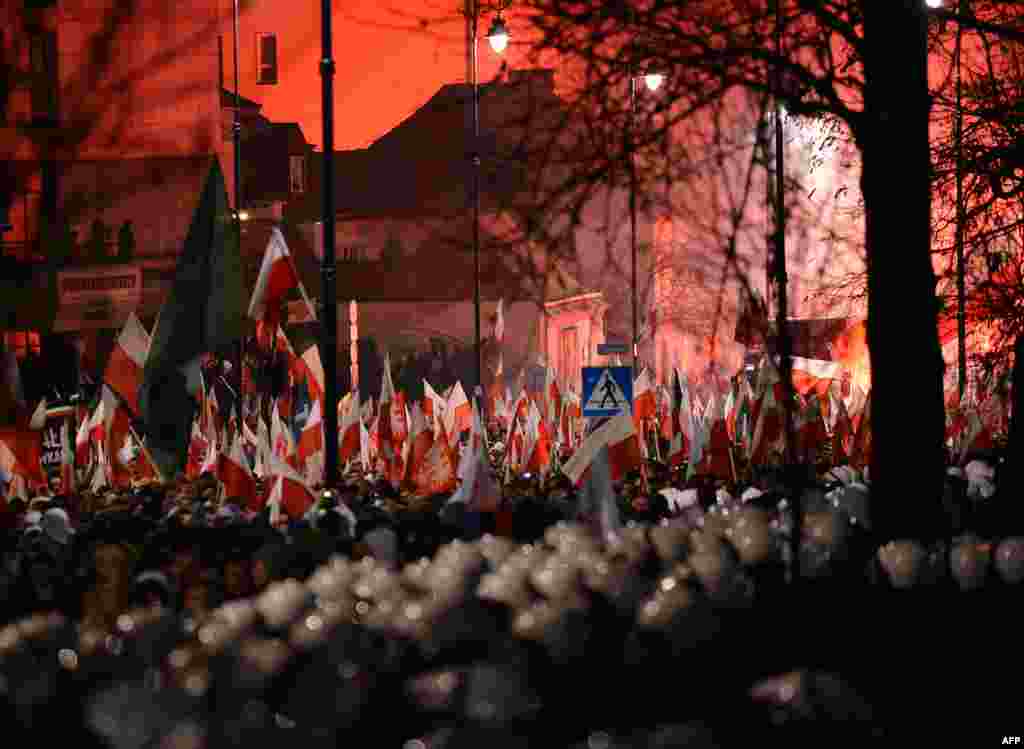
(814, 374)
(289, 494)
(478, 490)
(390, 448)
(680, 420)
(233, 472)
(436, 473)
(277, 277)
(538, 443)
(458, 412)
(127, 361)
(421, 438)
(310, 449)
(197, 449)
(618, 436)
(348, 432)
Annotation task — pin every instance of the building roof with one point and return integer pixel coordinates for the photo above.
(227, 101)
(421, 166)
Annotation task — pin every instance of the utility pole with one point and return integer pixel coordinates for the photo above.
(329, 307)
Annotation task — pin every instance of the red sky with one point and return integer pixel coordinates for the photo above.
(386, 66)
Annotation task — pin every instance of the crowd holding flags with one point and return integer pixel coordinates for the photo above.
(156, 416)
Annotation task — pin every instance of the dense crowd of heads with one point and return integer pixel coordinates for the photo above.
(456, 625)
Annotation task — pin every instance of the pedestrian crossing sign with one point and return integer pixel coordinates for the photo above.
(607, 391)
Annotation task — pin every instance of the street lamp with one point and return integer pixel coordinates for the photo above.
(652, 81)
(498, 37)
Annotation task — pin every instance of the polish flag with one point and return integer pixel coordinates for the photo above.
(197, 448)
(281, 439)
(810, 429)
(315, 370)
(119, 432)
(478, 490)
(311, 440)
(277, 277)
(233, 471)
(814, 374)
(433, 404)
(421, 439)
(349, 431)
(458, 412)
(127, 360)
(436, 472)
(717, 461)
(553, 397)
(618, 436)
(769, 424)
(539, 443)
(289, 494)
(680, 415)
(390, 448)
(644, 406)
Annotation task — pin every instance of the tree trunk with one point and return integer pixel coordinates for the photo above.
(906, 362)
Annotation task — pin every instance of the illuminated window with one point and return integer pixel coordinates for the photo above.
(22, 342)
(266, 70)
(297, 173)
(569, 355)
(23, 216)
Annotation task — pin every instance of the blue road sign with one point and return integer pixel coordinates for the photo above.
(607, 391)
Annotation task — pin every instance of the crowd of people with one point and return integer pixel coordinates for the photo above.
(169, 615)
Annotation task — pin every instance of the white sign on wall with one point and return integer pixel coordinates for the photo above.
(113, 284)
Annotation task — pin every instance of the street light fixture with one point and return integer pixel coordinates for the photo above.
(498, 35)
(653, 81)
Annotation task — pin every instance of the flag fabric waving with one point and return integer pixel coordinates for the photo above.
(127, 362)
(202, 313)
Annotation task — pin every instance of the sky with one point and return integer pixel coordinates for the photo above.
(387, 65)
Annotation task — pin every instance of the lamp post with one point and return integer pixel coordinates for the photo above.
(329, 307)
(239, 215)
(652, 81)
(498, 37)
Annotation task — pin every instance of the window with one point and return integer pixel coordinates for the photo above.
(297, 174)
(23, 216)
(22, 342)
(266, 70)
(43, 72)
(569, 355)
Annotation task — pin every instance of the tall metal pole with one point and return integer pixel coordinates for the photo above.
(329, 305)
(236, 135)
(632, 215)
(784, 344)
(475, 155)
(961, 283)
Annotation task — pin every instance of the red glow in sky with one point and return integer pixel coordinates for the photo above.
(387, 65)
